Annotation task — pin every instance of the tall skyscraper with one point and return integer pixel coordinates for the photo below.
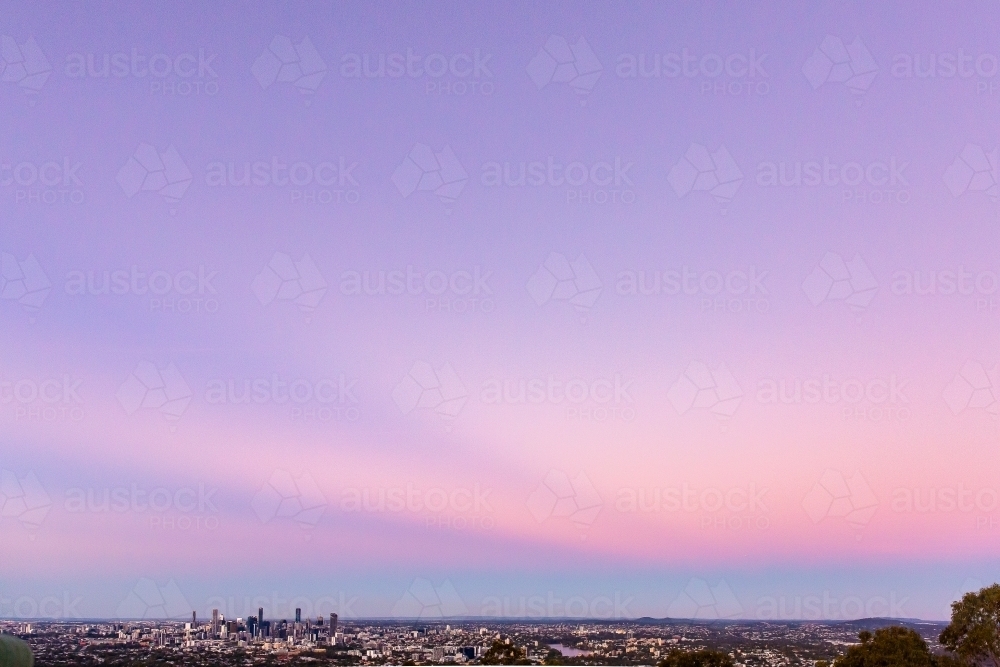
(298, 614)
(333, 624)
(215, 622)
(194, 619)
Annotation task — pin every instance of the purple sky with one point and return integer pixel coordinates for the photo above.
(608, 312)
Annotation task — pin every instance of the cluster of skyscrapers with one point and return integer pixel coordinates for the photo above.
(256, 628)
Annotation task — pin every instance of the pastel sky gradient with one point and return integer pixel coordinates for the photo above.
(776, 498)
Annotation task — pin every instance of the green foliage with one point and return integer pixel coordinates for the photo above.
(704, 658)
(553, 657)
(974, 632)
(501, 653)
(14, 652)
(949, 661)
(894, 646)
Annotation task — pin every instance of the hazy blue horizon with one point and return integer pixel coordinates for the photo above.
(405, 310)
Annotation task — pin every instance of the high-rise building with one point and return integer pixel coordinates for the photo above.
(194, 619)
(333, 624)
(298, 614)
(215, 622)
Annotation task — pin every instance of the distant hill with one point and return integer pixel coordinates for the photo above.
(859, 624)
(876, 623)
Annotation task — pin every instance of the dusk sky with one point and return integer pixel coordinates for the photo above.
(509, 309)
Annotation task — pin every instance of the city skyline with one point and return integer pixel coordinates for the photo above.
(402, 311)
(378, 643)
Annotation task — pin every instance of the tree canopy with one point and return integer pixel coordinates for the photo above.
(553, 657)
(502, 653)
(894, 646)
(974, 632)
(703, 658)
(14, 652)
